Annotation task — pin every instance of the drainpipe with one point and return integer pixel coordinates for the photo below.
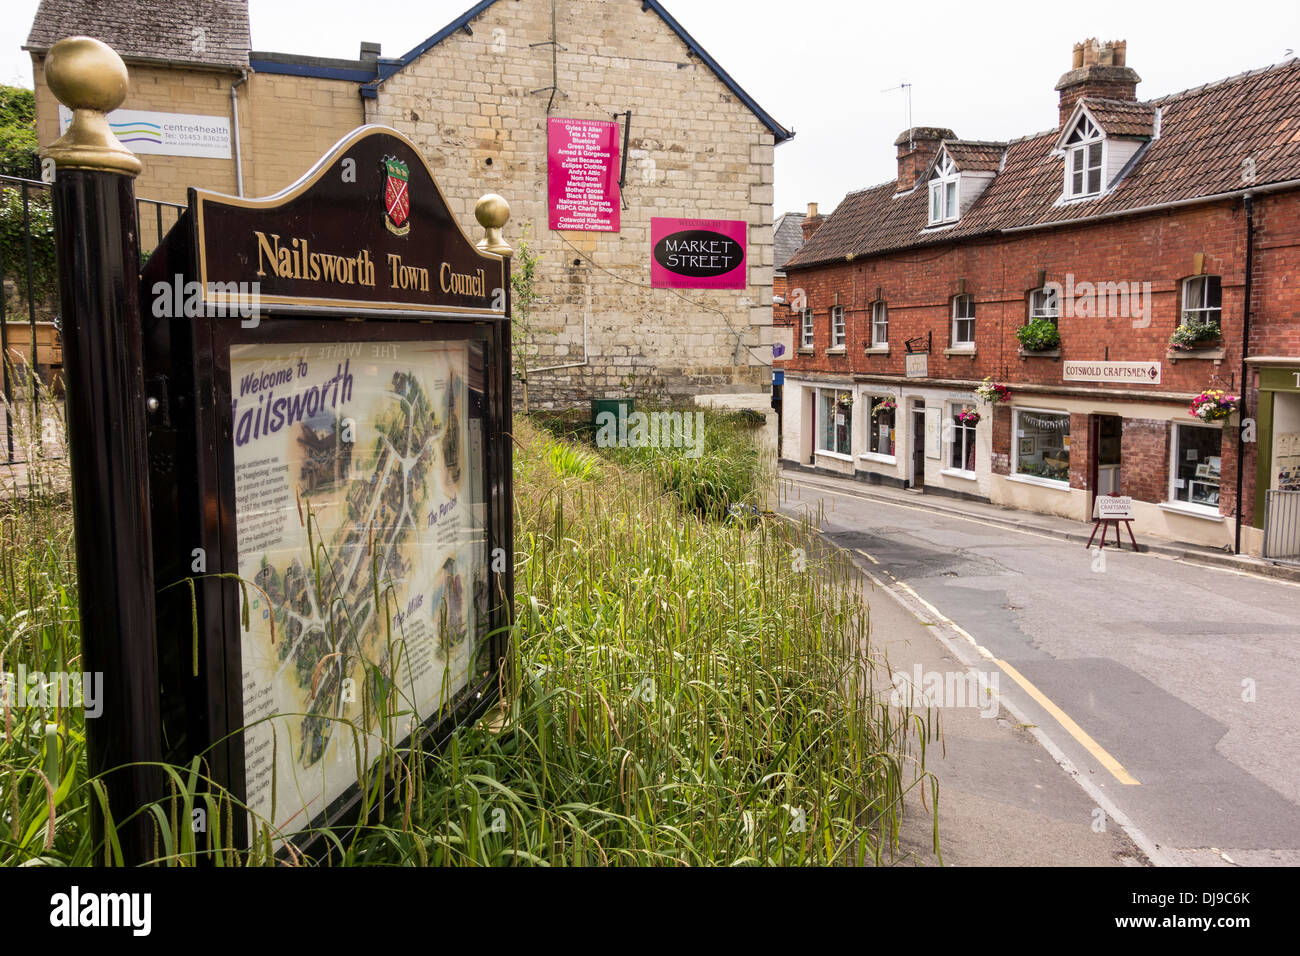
(1249, 200)
(234, 126)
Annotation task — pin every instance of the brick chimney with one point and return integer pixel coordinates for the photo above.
(1098, 70)
(916, 148)
(811, 222)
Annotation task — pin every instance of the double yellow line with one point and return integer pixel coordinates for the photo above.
(1098, 752)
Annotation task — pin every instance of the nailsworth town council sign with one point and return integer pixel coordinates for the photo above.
(330, 473)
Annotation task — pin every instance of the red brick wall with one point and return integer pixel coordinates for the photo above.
(1157, 248)
(1001, 461)
(1144, 457)
(1080, 451)
(1228, 476)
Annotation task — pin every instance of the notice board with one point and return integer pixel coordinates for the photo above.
(330, 481)
(582, 169)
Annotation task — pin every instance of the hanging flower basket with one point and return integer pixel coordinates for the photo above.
(1214, 405)
(992, 392)
(886, 405)
(968, 416)
(844, 401)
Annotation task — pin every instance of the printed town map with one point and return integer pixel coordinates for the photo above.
(362, 554)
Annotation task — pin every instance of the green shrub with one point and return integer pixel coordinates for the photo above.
(727, 471)
(45, 277)
(1038, 335)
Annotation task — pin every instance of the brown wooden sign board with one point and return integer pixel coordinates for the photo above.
(329, 380)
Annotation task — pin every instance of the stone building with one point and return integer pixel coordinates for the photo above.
(475, 97)
(1126, 232)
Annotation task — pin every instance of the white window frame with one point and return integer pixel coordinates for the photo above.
(870, 400)
(945, 191)
(959, 343)
(1085, 135)
(1045, 303)
(1016, 473)
(967, 433)
(839, 328)
(1205, 313)
(879, 324)
(819, 425)
(806, 329)
(1175, 450)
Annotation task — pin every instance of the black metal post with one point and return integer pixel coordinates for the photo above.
(97, 243)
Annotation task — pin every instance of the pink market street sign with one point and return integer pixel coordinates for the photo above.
(582, 174)
(698, 253)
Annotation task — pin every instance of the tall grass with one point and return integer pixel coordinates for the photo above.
(43, 792)
(677, 694)
(680, 695)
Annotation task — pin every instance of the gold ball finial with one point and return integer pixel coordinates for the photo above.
(492, 213)
(87, 76)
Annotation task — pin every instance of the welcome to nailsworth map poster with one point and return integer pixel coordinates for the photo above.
(400, 503)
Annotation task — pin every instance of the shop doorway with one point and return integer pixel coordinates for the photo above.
(1104, 440)
(916, 479)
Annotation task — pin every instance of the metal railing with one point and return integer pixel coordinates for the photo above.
(1282, 526)
(29, 295)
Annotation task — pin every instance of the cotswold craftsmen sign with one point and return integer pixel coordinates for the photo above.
(698, 253)
(331, 472)
(1113, 507)
(1141, 373)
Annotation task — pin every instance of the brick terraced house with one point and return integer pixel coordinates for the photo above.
(1150, 250)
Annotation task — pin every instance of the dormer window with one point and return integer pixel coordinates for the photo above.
(1083, 159)
(943, 191)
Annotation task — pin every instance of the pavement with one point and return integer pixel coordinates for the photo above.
(1145, 702)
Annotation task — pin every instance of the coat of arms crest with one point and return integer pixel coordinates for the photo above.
(397, 196)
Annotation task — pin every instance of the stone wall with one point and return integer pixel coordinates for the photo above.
(695, 151)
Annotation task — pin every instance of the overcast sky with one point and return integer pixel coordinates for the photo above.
(822, 67)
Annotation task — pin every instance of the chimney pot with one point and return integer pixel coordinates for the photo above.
(916, 148)
(812, 222)
(1099, 70)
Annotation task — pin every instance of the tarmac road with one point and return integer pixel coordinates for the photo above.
(1160, 695)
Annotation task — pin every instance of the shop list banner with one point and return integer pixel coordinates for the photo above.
(582, 175)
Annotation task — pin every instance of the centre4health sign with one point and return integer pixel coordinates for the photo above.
(698, 253)
(582, 175)
(166, 134)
